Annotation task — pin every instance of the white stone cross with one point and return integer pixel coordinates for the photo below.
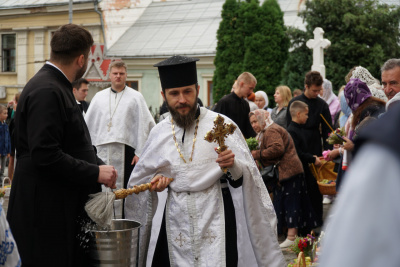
(318, 44)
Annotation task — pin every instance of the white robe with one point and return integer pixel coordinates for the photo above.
(194, 210)
(131, 125)
(363, 227)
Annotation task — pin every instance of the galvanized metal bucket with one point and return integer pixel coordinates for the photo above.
(116, 247)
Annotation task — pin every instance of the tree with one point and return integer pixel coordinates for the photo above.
(250, 38)
(362, 32)
(229, 56)
(267, 46)
(299, 61)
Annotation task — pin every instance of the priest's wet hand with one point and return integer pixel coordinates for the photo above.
(107, 176)
(159, 183)
(226, 158)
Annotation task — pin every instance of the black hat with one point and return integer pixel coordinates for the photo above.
(177, 71)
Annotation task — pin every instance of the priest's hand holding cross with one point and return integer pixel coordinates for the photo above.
(220, 131)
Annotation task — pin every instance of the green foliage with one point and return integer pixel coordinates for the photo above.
(229, 55)
(255, 42)
(267, 48)
(252, 143)
(362, 32)
(299, 61)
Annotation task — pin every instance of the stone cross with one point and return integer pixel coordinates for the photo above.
(318, 44)
(218, 134)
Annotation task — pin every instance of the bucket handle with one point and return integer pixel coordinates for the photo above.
(6, 178)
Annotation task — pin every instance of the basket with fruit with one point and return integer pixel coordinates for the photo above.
(327, 187)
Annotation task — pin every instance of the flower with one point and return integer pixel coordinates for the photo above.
(304, 244)
(335, 136)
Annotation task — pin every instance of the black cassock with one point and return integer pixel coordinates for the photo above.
(311, 129)
(57, 168)
(296, 131)
(237, 109)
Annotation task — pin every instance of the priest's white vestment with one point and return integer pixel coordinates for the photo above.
(194, 208)
(131, 122)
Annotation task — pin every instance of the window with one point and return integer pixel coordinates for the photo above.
(8, 52)
(133, 84)
(210, 93)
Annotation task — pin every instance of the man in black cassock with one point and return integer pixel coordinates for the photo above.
(57, 166)
(316, 106)
(235, 107)
(80, 88)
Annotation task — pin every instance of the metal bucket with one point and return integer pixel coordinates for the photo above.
(116, 247)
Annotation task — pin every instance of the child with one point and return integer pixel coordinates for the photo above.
(299, 112)
(5, 145)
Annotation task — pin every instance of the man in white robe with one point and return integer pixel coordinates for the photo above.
(195, 217)
(119, 123)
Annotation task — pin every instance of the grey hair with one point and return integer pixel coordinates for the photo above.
(391, 64)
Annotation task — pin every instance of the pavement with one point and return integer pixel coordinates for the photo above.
(287, 253)
(290, 255)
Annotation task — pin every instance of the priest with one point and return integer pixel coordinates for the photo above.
(119, 122)
(207, 220)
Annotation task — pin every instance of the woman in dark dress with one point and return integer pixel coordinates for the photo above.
(290, 200)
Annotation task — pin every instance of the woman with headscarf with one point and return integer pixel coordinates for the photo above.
(365, 76)
(365, 109)
(262, 100)
(290, 195)
(282, 96)
(331, 99)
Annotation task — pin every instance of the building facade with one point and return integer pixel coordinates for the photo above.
(26, 27)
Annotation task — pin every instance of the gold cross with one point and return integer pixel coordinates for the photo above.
(181, 240)
(218, 134)
(109, 125)
(210, 237)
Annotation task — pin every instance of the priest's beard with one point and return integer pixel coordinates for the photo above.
(183, 121)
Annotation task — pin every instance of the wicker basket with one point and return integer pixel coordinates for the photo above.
(325, 171)
(327, 189)
(301, 261)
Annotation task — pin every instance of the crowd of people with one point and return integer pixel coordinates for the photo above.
(219, 210)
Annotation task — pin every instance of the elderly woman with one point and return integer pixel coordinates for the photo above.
(262, 100)
(282, 96)
(290, 199)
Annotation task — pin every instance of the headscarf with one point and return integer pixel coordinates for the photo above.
(264, 120)
(373, 84)
(263, 94)
(345, 109)
(328, 94)
(356, 92)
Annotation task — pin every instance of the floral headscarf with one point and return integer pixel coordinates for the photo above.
(356, 92)
(264, 95)
(264, 120)
(373, 84)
